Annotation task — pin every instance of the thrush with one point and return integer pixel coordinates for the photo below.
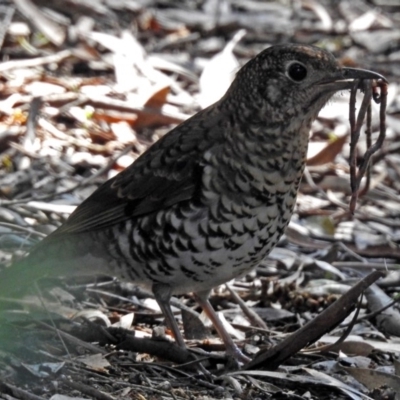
(210, 199)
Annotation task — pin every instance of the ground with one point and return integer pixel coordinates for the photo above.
(86, 88)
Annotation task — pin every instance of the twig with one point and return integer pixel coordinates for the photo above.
(370, 92)
(20, 393)
(36, 62)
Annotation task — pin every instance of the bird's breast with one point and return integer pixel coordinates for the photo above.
(237, 216)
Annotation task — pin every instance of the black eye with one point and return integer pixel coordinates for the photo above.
(297, 72)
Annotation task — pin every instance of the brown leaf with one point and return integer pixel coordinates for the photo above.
(159, 97)
(112, 116)
(328, 153)
(150, 117)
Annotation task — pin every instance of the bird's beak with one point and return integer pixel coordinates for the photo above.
(343, 79)
(355, 73)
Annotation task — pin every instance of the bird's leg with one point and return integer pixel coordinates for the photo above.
(162, 294)
(231, 348)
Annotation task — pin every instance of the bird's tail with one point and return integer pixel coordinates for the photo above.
(52, 258)
(23, 299)
(18, 278)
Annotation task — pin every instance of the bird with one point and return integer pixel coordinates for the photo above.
(209, 200)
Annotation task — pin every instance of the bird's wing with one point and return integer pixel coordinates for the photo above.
(168, 173)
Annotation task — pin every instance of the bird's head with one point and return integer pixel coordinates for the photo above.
(285, 80)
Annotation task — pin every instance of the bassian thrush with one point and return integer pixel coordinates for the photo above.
(209, 200)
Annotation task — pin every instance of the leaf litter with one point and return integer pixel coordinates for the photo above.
(75, 115)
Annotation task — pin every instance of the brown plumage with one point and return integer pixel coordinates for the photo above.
(209, 200)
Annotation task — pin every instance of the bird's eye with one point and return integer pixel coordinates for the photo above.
(297, 72)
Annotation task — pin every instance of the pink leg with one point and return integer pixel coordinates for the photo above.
(231, 348)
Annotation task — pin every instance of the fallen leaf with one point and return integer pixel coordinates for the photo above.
(326, 153)
(159, 97)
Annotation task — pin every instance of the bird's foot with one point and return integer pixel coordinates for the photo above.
(236, 358)
(238, 355)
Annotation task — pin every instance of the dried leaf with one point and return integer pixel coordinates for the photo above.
(96, 362)
(159, 96)
(219, 73)
(325, 153)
